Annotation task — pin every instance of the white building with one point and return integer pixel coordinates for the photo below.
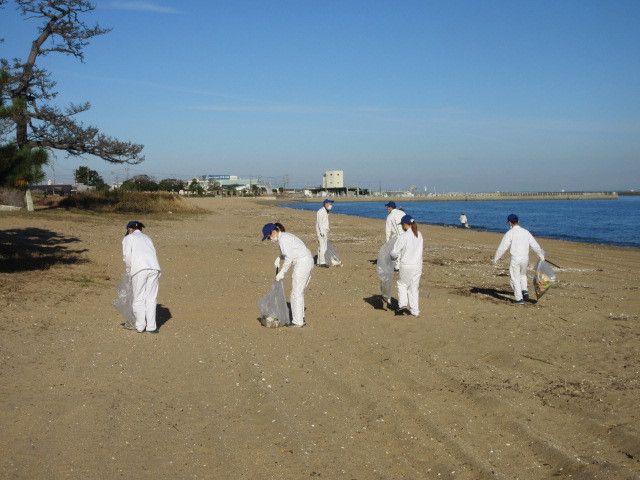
(333, 179)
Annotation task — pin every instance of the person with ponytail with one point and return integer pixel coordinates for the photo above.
(408, 251)
(294, 252)
(142, 265)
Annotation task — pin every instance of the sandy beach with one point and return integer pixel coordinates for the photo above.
(476, 388)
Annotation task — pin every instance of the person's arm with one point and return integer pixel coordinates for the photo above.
(126, 252)
(398, 247)
(536, 248)
(503, 247)
(325, 222)
(285, 249)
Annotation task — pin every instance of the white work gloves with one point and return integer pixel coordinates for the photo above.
(279, 276)
(277, 262)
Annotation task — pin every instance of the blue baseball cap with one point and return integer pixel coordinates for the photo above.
(135, 224)
(267, 229)
(408, 219)
(512, 218)
(327, 201)
(390, 204)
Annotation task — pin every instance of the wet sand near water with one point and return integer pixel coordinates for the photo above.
(474, 388)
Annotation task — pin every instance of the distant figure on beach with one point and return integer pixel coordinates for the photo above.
(294, 252)
(393, 228)
(322, 232)
(464, 223)
(518, 240)
(140, 258)
(408, 251)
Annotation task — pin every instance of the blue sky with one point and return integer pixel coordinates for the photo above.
(462, 95)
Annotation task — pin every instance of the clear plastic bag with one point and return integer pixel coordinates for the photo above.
(543, 278)
(123, 302)
(384, 267)
(273, 307)
(331, 257)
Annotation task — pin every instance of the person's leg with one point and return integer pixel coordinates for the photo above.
(413, 292)
(524, 265)
(138, 287)
(404, 280)
(322, 250)
(299, 281)
(514, 274)
(151, 298)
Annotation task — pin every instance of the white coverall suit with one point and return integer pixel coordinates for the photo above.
(518, 240)
(408, 250)
(142, 264)
(394, 229)
(322, 232)
(293, 251)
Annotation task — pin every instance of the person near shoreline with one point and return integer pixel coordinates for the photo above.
(518, 241)
(294, 252)
(141, 261)
(464, 223)
(393, 227)
(322, 232)
(408, 250)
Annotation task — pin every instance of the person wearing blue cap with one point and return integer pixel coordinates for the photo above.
(393, 228)
(518, 240)
(294, 252)
(408, 250)
(142, 265)
(322, 232)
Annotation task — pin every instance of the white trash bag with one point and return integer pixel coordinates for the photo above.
(123, 302)
(331, 256)
(543, 278)
(273, 307)
(384, 268)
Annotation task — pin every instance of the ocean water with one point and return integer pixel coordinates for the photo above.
(603, 222)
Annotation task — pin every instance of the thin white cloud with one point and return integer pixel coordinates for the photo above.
(142, 7)
(264, 109)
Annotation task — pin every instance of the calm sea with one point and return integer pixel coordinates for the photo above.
(605, 222)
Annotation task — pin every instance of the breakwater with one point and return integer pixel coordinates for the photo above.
(461, 197)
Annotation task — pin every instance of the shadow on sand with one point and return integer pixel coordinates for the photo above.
(378, 303)
(28, 249)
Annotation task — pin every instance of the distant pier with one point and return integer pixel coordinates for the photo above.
(462, 197)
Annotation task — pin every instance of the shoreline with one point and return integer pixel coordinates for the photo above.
(476, 229)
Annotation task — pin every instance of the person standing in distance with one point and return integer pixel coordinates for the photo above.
(295, 253)
(322, 232)
(393, 228)
(140, 258)
(518, 240)
(464, 223)
(408, 250)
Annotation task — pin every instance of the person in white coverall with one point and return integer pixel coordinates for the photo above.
(393, 227)
(408, 250)
(294, 252)
(322, 232)
(140, 258)
(518, 240)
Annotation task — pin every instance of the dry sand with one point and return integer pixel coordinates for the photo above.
(474, 388)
